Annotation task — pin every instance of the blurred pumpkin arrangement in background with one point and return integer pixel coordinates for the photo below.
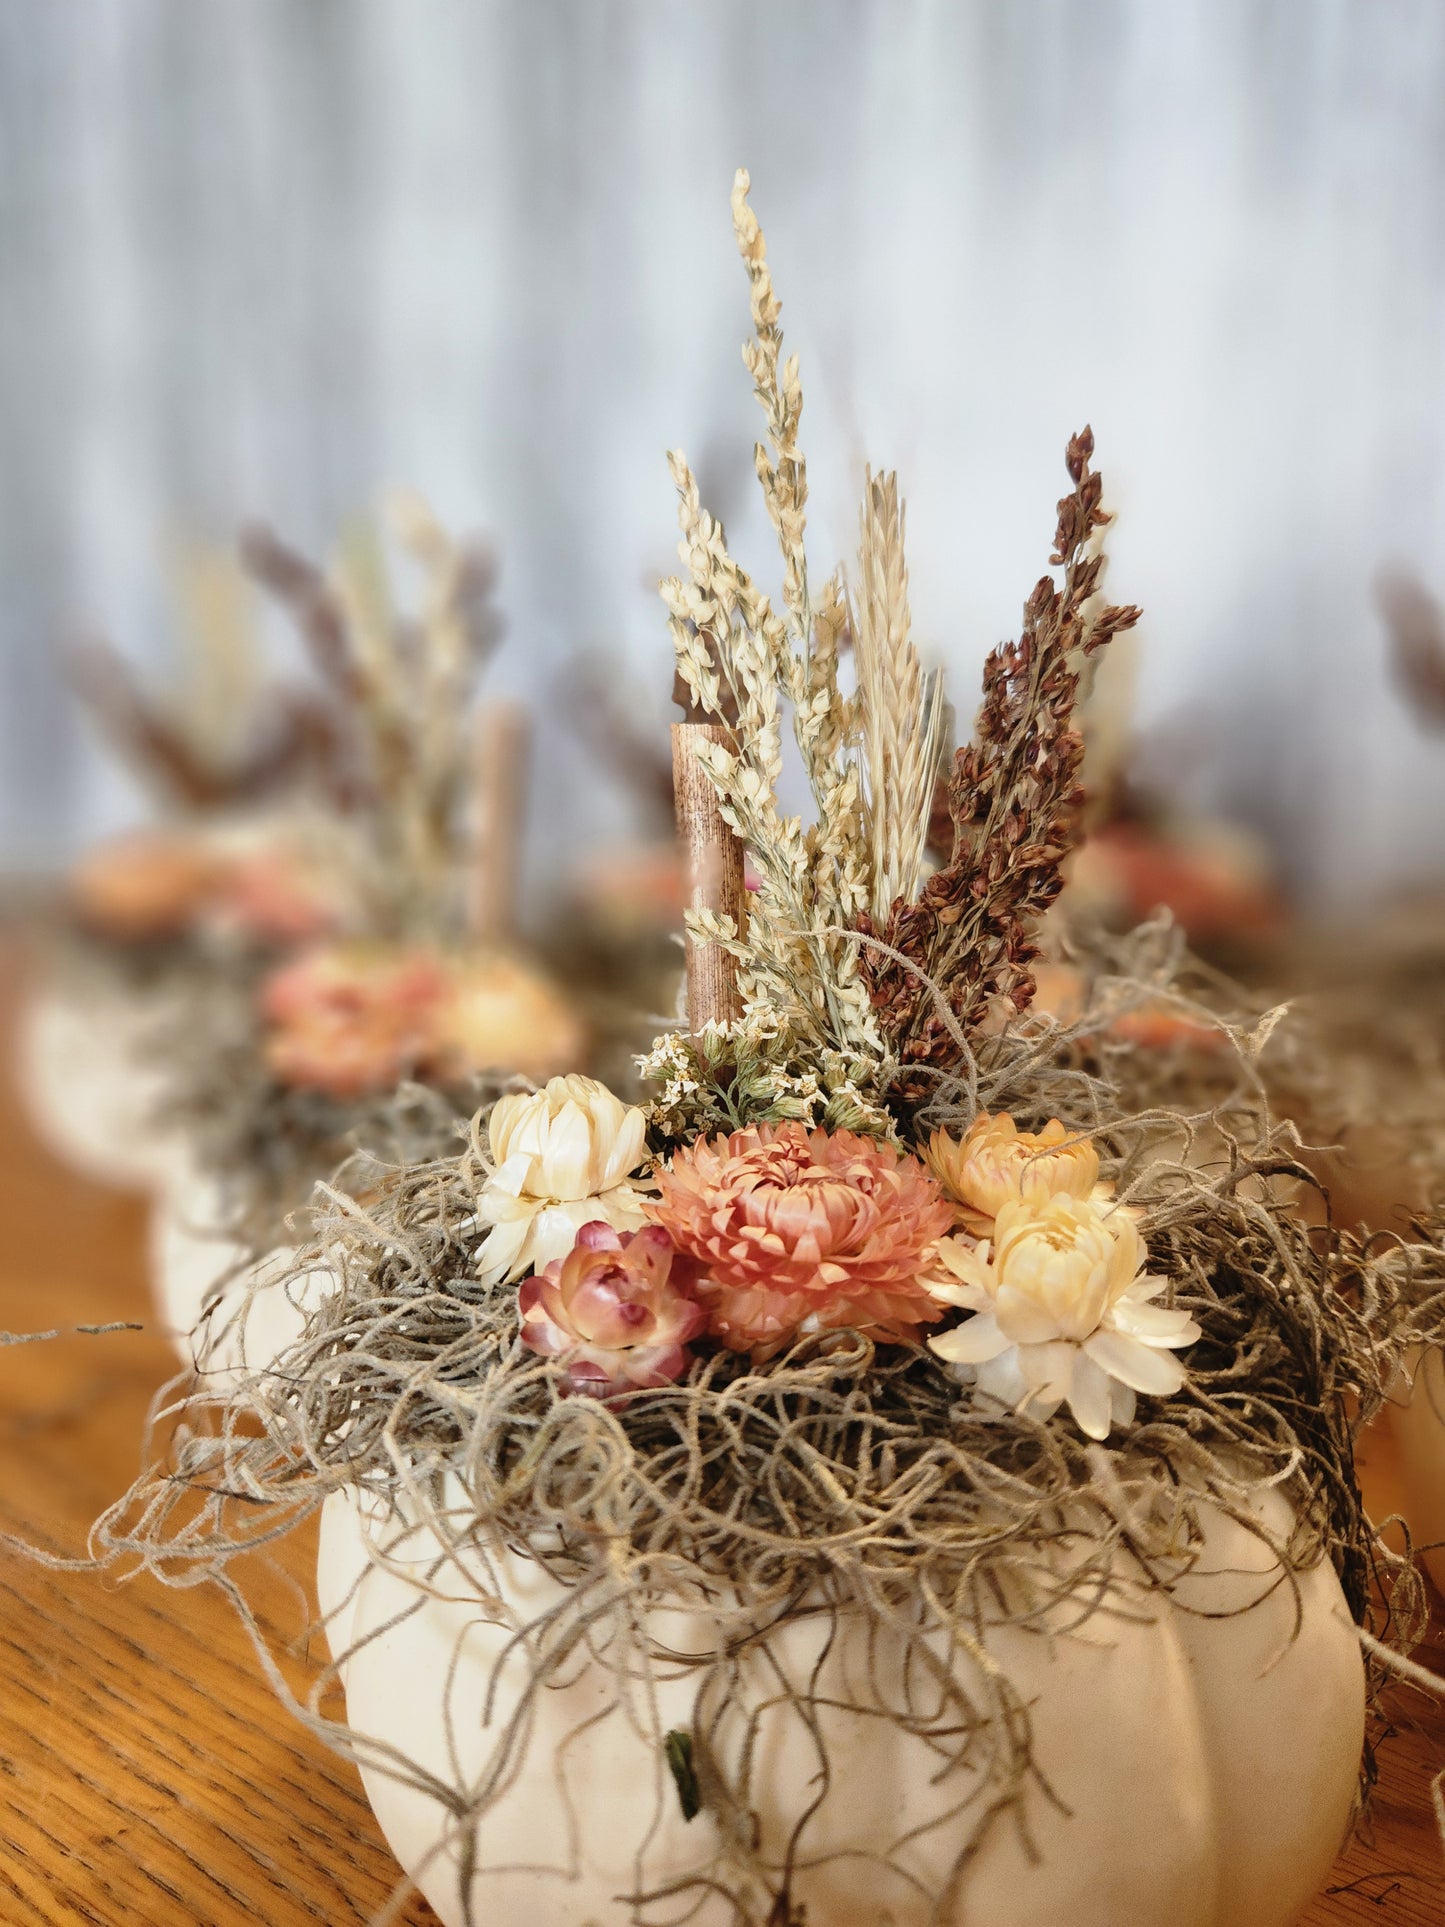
(317, 955)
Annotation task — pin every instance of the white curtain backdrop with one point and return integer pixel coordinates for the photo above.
(271, 256)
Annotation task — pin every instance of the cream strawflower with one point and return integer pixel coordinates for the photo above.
(1063, 1313)
(995, 1162)
(563, 1158)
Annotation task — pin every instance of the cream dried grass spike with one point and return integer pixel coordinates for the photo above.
(415, 526)
(414, 688)
(411, 841)
(900, 709)
(221, 666)
(363, 588)
(740, 656)
(825, 721)
(784, 475)
(443, 725)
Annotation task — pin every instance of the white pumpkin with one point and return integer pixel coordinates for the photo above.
(1205, 1767)
(224, 1312)
(1416, 1416)
(93, 1090)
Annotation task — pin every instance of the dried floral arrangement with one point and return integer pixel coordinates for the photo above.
(192, 910)
(890, 1344)
(388, 1032)
(1366, 1080)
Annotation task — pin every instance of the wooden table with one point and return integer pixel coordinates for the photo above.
(147, 1776)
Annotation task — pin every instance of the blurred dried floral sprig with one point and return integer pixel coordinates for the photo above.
(382, 731)
(395, 715)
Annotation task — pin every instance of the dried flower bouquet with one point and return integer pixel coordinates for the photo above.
(383, 1033)
(890, 1478)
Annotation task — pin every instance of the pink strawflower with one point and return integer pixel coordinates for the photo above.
(273, 895)
(352, 1018)
(614, 1307)
(795, 1230)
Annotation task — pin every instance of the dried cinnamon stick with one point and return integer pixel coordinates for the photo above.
(503, 743)
(714, 859)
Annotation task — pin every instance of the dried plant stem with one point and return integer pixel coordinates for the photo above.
(1416, 628)
(714, 858)
(503, 754)
(397, 709)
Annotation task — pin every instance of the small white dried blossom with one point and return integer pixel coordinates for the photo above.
(565, 1155)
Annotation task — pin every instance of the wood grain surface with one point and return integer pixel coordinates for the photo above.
(147, 1776)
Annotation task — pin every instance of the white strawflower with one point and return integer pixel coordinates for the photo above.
(564, 1156)
(1063, 1313)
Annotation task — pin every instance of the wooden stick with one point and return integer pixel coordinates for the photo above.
(714, 859)
(503, 745)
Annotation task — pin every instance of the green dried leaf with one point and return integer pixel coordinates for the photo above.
(678, 1748)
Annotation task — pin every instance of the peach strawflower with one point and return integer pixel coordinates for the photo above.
(995, 1162)
(146, 886)
(1059, 992)
(355, 1017)
(1064, 1313)
(795, 1230)
(348, 1019)
(613, 1308)
(499, 1014)
(1157, 1025)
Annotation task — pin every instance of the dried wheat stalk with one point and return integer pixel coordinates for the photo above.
(900, 710)
(737, 655)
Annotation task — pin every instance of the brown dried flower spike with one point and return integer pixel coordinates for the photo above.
(1014, 796)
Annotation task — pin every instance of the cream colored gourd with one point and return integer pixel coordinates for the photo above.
(1206, 1767)
(223, 1312)
(1416, 1416)
(91, 1088)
